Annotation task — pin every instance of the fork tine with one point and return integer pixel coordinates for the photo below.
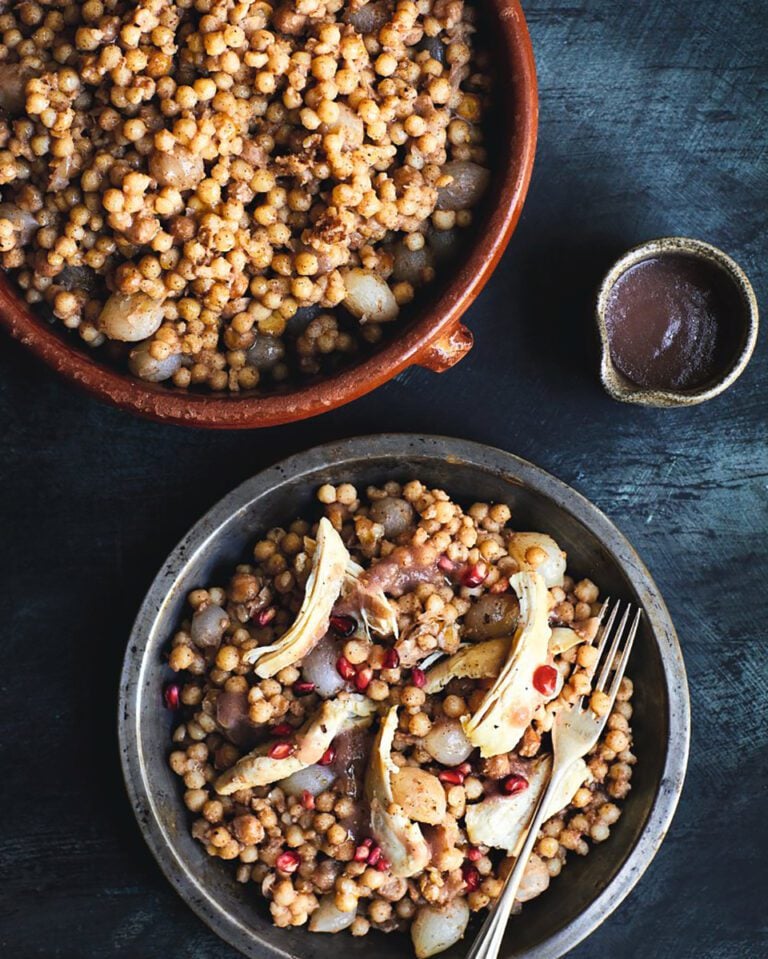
(604, 635)
(603, 608)
(625, 656)
(607, 666)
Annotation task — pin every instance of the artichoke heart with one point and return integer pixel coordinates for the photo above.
(401, 840)
(484, 660)
(563, 639)
(324, 584)
(508, 706)
(539, 552)
(347, 711)
(476, 661)
(502, 821)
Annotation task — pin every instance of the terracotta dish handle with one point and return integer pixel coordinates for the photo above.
(447, 350)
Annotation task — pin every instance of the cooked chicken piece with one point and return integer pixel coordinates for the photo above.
(401, 840)
(329, 564)
(419, 794)
(443, 837)
(503, 765)
(368, 600)
(508, 707)
(411, 647)
(258, 768)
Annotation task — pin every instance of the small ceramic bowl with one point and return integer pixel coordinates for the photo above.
(431, 336)
(591, 887)
(744, 339)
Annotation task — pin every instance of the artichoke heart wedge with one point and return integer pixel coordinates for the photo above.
(508, 706)
(476, 661)
(502, 821)
(563, 639)
(401, 839)
(376, 611)
(324, 584)
(347, 711)
(484, 660)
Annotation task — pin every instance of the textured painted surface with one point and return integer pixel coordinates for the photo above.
(653, 122)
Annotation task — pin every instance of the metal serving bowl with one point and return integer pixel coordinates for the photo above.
(590, 888)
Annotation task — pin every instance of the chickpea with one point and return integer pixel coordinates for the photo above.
(345, 902)
(599, 703)
(586, 591)
(413, 697)
(356, 651)
(454, 706)
(336, 835)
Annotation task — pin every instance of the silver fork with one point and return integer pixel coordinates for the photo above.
(575, 731)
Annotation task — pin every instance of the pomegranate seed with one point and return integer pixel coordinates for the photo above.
(383, 864)
(515, 784)
(374, 855)
(303, 687)
(171, 696)
(473, 854)
(288, 861)
(545, 680)
(465, 768)
(451, 776)
(328, 756)
(307, 800)
(281, 750)
(363, 678)
(446, 565)
(344, 668)
(343, 625)
(265, 616)
(471, 877)
(418, 677)
(361, 853)
(392, 659)
(281, 730)
(474, 575)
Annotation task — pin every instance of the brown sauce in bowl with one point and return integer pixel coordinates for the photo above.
(672, 321)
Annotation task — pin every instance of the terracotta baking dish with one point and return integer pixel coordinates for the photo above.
(434, 337)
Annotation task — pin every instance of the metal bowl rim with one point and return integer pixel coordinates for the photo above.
(491, 459)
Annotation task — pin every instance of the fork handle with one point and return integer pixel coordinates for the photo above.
(488, 941)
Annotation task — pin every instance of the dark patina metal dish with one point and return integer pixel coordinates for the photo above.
(589, 888)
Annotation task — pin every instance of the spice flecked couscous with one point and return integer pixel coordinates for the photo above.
(346, 734)
(224, 193)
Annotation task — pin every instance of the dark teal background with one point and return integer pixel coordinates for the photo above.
(654, 121)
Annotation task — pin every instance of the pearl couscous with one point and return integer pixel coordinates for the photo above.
(227, 193)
